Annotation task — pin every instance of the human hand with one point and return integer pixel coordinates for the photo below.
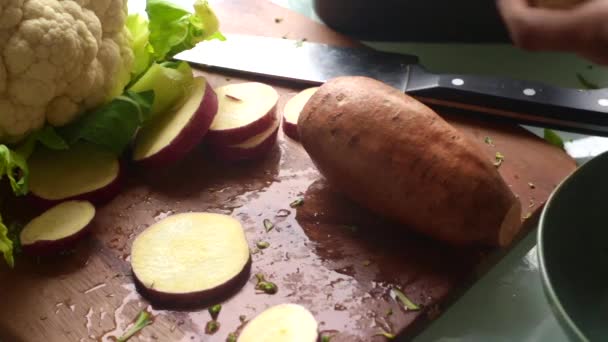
(582, 29)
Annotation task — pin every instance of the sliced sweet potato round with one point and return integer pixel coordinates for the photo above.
(190, 259)
(58, 228)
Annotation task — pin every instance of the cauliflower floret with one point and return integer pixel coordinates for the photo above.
(59, 58)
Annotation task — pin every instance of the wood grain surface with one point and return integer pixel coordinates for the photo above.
(336, 259)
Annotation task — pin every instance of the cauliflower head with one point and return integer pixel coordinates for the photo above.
(59, 58)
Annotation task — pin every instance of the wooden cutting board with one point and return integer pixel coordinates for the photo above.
(338, 260)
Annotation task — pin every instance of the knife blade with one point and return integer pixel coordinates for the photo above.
(485, 97)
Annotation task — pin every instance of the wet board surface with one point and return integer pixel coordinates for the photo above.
(338, 260)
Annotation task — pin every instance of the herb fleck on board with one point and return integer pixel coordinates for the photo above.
(268, 225)
(499, 158)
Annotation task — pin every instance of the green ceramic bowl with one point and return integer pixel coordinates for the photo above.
(573, 251)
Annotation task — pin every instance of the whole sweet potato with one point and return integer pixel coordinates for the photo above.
(397, 157)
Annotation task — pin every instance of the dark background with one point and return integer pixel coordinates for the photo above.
(467, 21)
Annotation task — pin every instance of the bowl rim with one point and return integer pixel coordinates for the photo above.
(558, 310)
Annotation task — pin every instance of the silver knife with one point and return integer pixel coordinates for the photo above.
(489, 98)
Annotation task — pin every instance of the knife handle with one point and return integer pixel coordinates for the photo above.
(524, 102)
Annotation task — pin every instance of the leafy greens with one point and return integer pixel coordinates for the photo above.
(174, 29)
(157, 85)
(553, 138)
(6, 244)
(113, 125)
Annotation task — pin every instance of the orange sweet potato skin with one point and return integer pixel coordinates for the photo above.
(395, 156)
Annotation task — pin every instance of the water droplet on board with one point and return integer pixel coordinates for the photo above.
(163, 214)
(89, 320)
(283, 213)
(95, 288)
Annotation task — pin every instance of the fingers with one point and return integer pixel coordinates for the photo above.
(540, 29)
(582, 30)
(546, 29)
(511, 8)
(516, 15)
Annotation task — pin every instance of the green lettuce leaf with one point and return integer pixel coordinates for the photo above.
(113, 125)
(6, 245)
(174, 29)
(169, 80)
(211, 23)
(14, 166)
(553, 138)
(47, 136)
(13, 163)
(142, 50)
